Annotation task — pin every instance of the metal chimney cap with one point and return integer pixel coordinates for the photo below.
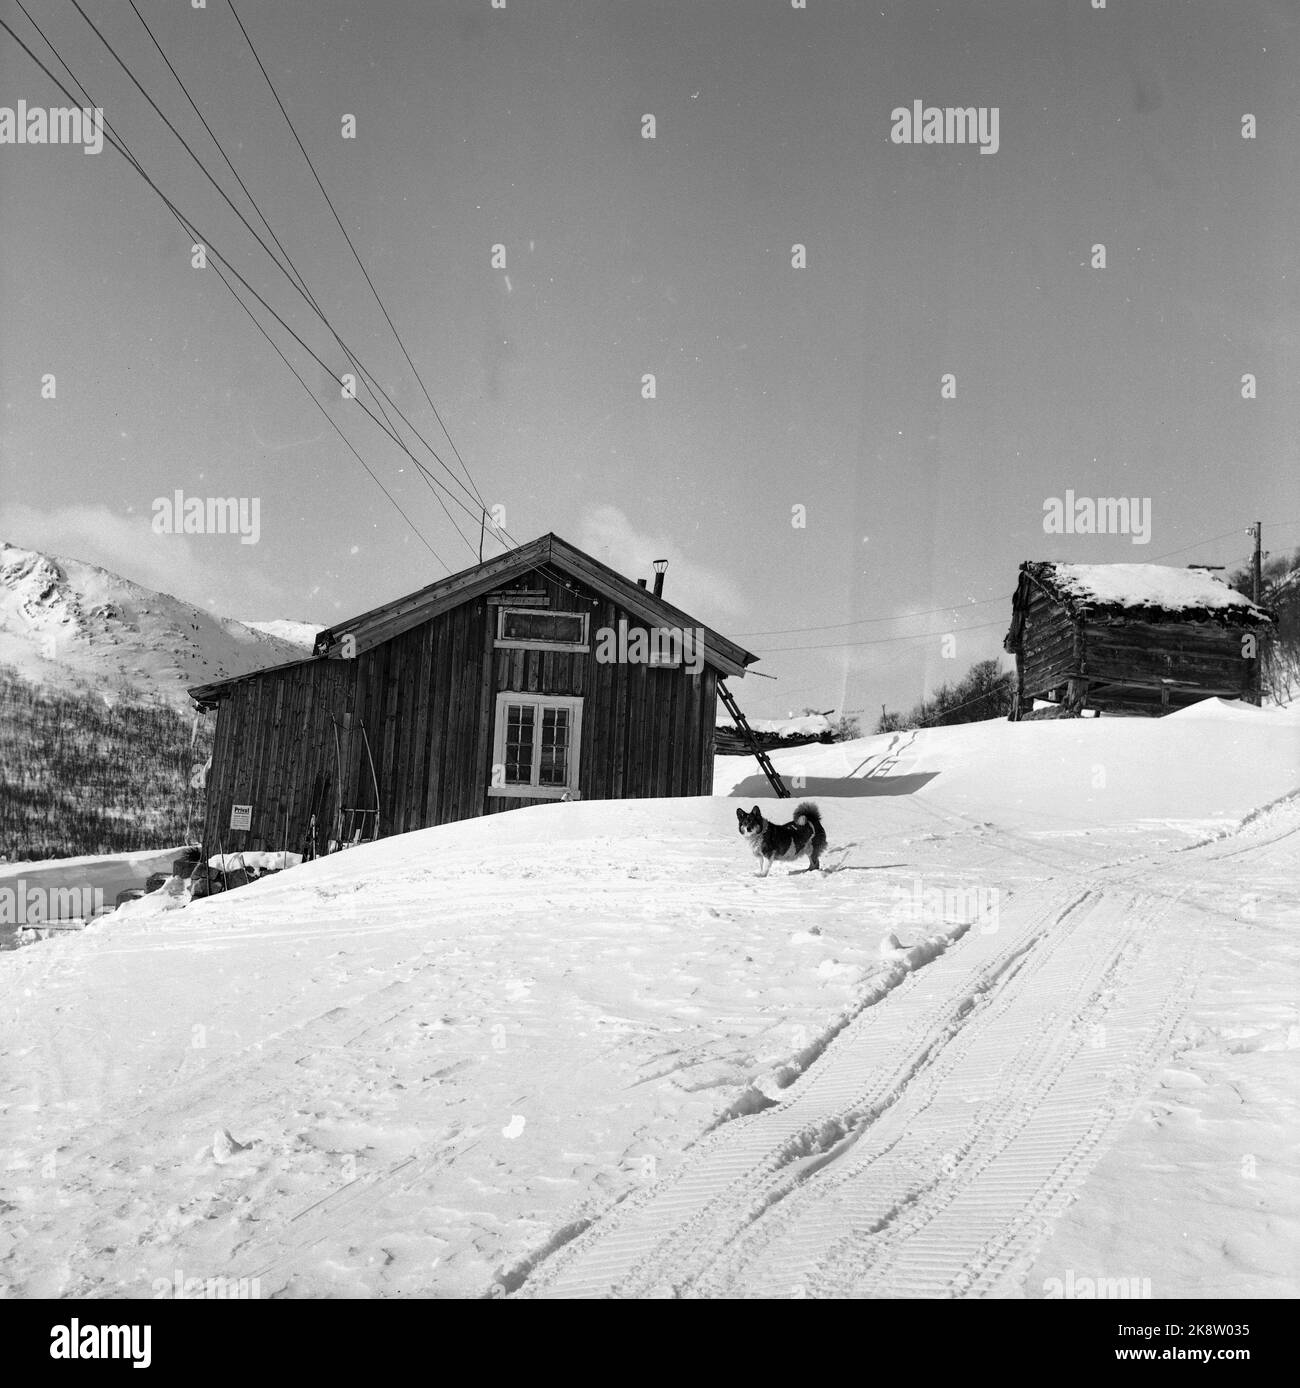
(660, 565)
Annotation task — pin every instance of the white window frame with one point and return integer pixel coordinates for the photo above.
(532, 791)
(511, 643)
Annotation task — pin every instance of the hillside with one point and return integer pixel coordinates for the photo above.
(80, 773)
(67, 625)
(98, 737)
(1029, 1020)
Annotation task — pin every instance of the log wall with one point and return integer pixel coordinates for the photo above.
(1125, 665)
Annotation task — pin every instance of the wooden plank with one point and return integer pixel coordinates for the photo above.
(418, 789)
(409, 646)
(439, 664)
(295, 794)
(683, 735)
(452, 798)
(591, 682)
(708, 717)
(690, 757)
(486, 709)
(618, 697)
(641, 753)
(253, 753)
(523, 599)
(469, 684)
(393, 681)
(661, 687)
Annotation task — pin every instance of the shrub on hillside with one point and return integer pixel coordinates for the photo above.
(984, 692)
(82, 774)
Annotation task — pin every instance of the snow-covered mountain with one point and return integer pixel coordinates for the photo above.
(64, 623)
(301, 634)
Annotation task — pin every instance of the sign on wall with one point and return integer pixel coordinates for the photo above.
(241, 816)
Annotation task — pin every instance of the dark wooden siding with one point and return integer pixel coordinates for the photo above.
(1136, 659)
(1125, 665)
(427, 702)
(1048, 648)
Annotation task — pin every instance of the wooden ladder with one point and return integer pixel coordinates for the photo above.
(747, 733)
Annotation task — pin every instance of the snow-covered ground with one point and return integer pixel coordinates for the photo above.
(72, 888)
(1036, 1023)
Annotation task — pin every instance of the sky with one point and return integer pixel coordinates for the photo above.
(821, 495)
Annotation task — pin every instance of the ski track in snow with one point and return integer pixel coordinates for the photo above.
(620, 1065)
(917, 1156)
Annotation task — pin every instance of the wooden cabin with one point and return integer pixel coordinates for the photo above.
(538, 675)
(1131, 638)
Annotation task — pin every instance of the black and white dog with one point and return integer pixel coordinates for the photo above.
(784, 842)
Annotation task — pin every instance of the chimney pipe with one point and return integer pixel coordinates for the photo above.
(640, 583)
(660, 566)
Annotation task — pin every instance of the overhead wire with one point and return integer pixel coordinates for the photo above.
(356, 255)
(122, 148)
(472, 511)
(302, 282)
(950, 607)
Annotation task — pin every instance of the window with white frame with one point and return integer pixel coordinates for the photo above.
(537, 746)
(534, 627)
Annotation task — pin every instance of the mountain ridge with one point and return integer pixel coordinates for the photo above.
(69, 624)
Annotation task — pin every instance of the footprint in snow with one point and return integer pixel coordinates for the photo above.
(224, 1146)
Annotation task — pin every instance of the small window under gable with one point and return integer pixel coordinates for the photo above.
(536, 627)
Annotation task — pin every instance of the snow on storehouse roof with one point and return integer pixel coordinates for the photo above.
(1146, 592)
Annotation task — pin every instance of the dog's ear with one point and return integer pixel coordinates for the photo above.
(740, 814)
(756, 812)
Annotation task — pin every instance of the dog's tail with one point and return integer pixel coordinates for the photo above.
(808, 813)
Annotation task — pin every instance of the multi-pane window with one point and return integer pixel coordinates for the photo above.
(537, 745)
(520, 720)
(553, 766)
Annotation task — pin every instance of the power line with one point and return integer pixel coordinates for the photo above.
(356, 256)
(197, 235)
(1195, 543)
(883, 640)
(300, 290)
(305, 289)
(951, 607)
(333, 423)
(117, 143)
(212, 134)
(865, 621)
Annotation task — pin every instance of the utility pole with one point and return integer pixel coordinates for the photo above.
(1255, 565)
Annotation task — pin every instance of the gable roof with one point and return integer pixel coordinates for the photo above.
(391, 619)
(1137, 592)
